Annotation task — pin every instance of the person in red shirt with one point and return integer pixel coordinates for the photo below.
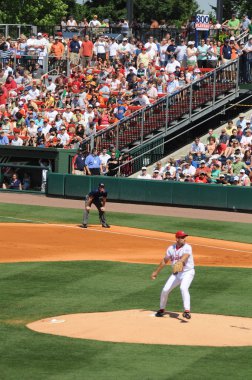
(3, 95)
(10, 83)
(86, 51)
(201, 178)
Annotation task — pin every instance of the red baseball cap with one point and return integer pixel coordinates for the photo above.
(180, 234)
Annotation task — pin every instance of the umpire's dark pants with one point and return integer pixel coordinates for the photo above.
(98, 205)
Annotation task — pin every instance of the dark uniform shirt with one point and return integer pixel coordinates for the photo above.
(96, 194)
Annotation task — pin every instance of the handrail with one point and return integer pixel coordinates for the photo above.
(206, 89)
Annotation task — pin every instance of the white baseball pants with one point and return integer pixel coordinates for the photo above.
(183, 279)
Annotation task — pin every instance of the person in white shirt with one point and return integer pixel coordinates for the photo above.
(68, 114)
(142, 99)
(46, 127)
(51, 114)
(197, 147)
(95, 22)
(104, 156)
(244, 178)
(152, 91)
(163, 56)
(32, 129)
(89, 114)
(17, 141)
(171, 169)
(171, 65)
(144, 174)
(188, 169)
(180, 53)
(151, 48)
(246, 139)
(124, 50)
(182, 252)
(113, 47)
(63, 136)
(34, 92)
(51, 86)
(71, 24)
(100, 48)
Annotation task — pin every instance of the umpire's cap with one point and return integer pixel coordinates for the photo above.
(101, 185)
(180, 234)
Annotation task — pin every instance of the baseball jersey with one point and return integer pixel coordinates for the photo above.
(174, 254)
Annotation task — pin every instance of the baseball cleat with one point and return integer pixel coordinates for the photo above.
(187, 314)
(106, 225)
(83, 226)
(160, 313)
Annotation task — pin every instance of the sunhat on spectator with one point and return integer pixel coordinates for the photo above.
(242, 171)
(68, 106)
(232, 38)
(247, 121)
(236, 178)
(144, 168)
(222, 175)
(241, 114)
(202, 161)
(156, 171)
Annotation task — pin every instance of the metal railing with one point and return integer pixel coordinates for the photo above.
(28, 61)
(160, 116)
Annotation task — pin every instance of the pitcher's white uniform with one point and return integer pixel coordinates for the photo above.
(183, 279)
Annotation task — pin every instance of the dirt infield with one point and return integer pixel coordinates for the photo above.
(141, 326)
(49, 242)
(55, 242)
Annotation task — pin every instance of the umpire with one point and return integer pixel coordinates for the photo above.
(99, 198)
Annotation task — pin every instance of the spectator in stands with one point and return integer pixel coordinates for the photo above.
(233, 25)
(94, 23)
(93, 163)
(241, 121)
(112, 165)
(156, 176)
(237, 165)
(72, 24)
(63, 136)
(57, 49)
(3, 138)
(86, 51)
(202, 54)
(201, 178)
(244, 178)
(191, 54)
(78, 163)
(74, 50)
(197, 148)
(203, 168)
(17, 141)
(143, 58)
(248, 51)
(144, 174)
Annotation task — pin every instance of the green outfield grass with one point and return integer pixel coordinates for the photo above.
(240, 232)
(32, 291)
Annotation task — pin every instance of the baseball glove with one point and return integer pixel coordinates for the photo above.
(177, 267)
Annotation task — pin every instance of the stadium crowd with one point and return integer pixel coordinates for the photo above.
(108, 79)
(225, 159)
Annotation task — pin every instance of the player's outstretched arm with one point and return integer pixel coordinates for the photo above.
(159, 268)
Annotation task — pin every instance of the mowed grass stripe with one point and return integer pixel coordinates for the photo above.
(240, 232)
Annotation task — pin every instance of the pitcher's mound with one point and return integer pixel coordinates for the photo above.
(141, 326)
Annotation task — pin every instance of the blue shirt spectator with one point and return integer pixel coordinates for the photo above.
(3, 139)
(93, 163)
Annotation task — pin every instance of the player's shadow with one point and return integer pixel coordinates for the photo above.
(175, 316)
(171, 314)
